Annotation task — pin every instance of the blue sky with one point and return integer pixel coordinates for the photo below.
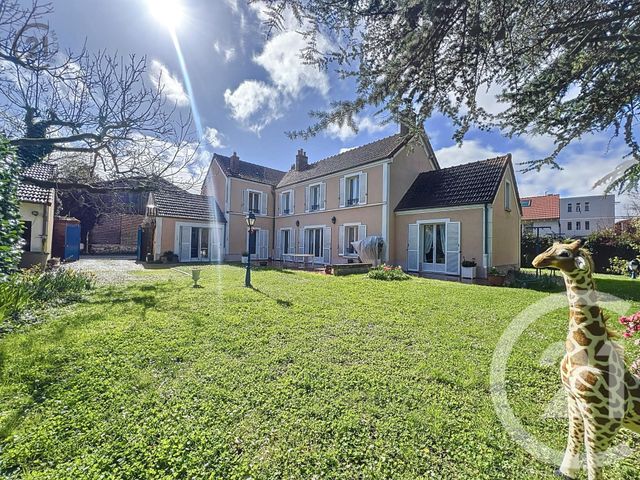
(250, 89)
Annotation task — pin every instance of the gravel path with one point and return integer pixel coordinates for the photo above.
(109, 269)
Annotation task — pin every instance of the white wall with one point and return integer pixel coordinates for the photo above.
(38, 221)
(601, 214)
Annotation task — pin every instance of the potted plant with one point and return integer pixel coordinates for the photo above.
(327, 269)
(149, 257)
(469, 268)
(169, 257)
(495, 278)
(245, 257)
(264, 263)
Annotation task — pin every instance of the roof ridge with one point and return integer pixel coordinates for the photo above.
(504, 158)
(355, 148)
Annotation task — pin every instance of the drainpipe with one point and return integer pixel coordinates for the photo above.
(273, 221)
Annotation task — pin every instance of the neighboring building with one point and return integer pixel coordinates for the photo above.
(189, 225)
(581, 216)
(541, 215)
(37, 213)
(388, 188)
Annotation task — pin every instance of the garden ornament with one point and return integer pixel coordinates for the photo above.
(369, 249)
(634, 266)
(603, 395)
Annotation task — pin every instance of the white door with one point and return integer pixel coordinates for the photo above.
(453, 248)
(263, 244)
(313, 243)
(434, 247)
(413, 245)
(185, 244)
(326, 254)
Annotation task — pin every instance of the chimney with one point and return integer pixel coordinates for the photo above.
(234, 165)
(302, 161)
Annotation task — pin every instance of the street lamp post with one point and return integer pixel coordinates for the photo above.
(251, 221)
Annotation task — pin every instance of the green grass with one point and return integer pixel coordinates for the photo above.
(306, 376)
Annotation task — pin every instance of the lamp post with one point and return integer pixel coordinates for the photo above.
(251, 221)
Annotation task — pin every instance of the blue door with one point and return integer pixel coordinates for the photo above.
(139, 245)
(72, 242)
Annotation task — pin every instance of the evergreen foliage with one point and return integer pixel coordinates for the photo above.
(10, 225)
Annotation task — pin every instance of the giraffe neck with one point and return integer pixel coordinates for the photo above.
(586, 323)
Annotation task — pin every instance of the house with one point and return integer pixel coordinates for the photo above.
(189, 225)
(541, 215)
(471, 210)
(393, 188)
(581, 216)
(37, 209)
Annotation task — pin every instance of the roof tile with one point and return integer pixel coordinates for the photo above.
(543, 207)
(250, 171)
(28, 192)
(181, 204)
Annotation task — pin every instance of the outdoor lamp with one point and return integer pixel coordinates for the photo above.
(251, 221)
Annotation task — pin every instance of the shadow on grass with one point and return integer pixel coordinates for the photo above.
(622, 287)
(279, 301)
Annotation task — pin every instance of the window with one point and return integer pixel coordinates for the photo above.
(569, 226)
(434, 244)
(350, 236)
(587, 225)
(314, 242)
(507, 196)
(569, 208)
(525, 203)
(254, 202)
(314, 197)
(286, 203)
(586, 206)
(286, 241)
(578, 208)
(578, 225)
(353, 190)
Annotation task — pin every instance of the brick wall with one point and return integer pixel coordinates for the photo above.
(117, 233)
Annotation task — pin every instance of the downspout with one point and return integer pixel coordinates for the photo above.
(485, 237)
(273, 222)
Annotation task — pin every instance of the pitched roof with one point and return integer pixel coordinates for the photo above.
(544, 207)
(371, 152)
(250, 171)
(29, 192)
(181, 204)
(466, 184)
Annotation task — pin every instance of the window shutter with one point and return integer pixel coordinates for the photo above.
(326, 244)
(281, 206)
(279, 244)
(245, 201)
(217, 243)
(263, 204)
(263, 252)
(453, 248)
(413, 243)
(342, 191)
(362, 232)
(323, 196)
(363, 189)
(303, 240)
(185, 244)
(341, 240)
(306, 198)
(292, 241)
(292, 202)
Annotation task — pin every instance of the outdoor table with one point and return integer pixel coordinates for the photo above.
(303, 256)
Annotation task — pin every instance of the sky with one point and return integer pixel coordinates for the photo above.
(249, 89)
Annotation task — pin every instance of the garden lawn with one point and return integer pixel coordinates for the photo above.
(307, 376)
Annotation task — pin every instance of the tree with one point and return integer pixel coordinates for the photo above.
(10, 226)
(96, 107)
(565, 68)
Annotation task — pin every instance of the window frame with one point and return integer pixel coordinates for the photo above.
(587, 225)
(569, 226)
(569, 207)
(349, 200)
(578, 207)
(587, 207)
(507, 195)
(578, 225)
(290, 211)
(259, 194)
(311, 188)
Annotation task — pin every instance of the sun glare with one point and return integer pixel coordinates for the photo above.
(168, 12)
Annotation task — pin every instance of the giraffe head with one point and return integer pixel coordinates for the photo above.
(567, 257)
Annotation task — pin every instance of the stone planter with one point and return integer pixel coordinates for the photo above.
(469, 272)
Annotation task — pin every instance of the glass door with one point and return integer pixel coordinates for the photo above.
(199, 250)
(433, 247)
(314, 243)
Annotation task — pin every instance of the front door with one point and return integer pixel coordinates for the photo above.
(434, 247)
(72, 242)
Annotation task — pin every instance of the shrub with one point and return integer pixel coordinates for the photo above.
(606, 245)
(542, 282)
(388, 272)
(10, 224)
(34, 288)
(618, 266)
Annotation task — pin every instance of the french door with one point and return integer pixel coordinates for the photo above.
(195, 244)
(434, 247)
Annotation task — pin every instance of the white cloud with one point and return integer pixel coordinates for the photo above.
(343, 132)
(254, 104)
(233, 5)
(214, 137)
(171, 86)
(281, 58)
(228, 53)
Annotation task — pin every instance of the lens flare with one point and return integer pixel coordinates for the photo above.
(168, 12)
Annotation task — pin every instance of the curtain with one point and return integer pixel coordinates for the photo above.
(428, 240)
(441, 238)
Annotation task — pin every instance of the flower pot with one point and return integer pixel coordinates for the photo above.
(496, 280)
(327, 269)
(469, 272)
(245, 260)
(264, 263)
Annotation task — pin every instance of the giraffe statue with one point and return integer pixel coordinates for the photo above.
(603, 395)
